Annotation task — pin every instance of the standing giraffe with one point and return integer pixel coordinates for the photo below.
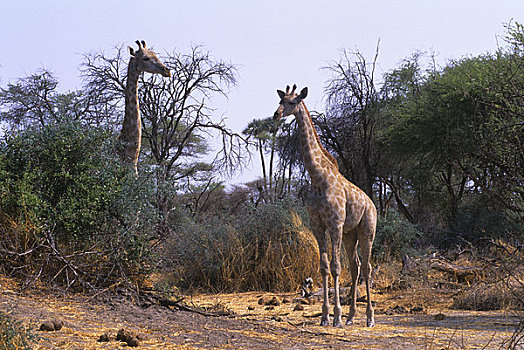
(143, 60)
(338, 210)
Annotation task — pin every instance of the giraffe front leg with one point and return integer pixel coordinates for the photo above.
(324, 270)
(337, 310)
(319, 232)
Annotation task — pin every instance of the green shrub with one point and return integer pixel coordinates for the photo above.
(13, 335)
(395, 237)
(65, 198)
(479, 221)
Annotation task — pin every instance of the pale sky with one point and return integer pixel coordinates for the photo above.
(273, 43)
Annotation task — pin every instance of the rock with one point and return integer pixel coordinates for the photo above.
(262, 301)
(251, 308)
(286, 301)
(47, 327)
(122, 335)
(58, 324)
(51, 326)
(132, 342)
(128, 337)
(439, 316)
(274, 301)
(416, 310)
(104, 338)
(269, 301)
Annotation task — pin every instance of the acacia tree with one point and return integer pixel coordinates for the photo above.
(459, 139)
(400, 90)
(176, 113)
(36, 101)
(347, 128)
(264, 133)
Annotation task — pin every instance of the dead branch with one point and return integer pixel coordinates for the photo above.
(461, 272)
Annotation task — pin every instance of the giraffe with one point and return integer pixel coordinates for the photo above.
(339, 211)
(143, 60)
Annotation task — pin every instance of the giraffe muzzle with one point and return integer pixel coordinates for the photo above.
(166, 73)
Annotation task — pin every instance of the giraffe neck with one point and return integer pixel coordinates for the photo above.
(131, 129)
(316, 158)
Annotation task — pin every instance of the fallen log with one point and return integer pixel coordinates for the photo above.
(462, 273)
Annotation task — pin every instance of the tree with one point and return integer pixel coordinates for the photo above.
(70, 212)
(176, 113)
(460, 135)
(35, 100)
(347, 128)
(264, 131)
(400, 90)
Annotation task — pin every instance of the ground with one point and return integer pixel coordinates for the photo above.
(245, 324)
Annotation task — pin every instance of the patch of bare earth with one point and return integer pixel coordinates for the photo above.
(246, 324)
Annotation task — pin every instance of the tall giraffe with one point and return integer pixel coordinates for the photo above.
(339, 210)
(143, 60)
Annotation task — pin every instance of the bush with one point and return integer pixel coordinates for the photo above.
(13, 335)
(395, 237)
(70, 212)
(265, 248)
(488, 296)
(478, 221)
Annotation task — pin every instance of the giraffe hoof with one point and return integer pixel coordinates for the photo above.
(371, 323)
(338, 324)
(324, 323)
(349, 322)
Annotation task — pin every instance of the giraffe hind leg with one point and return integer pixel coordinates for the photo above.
(351, 243)
(366, 237)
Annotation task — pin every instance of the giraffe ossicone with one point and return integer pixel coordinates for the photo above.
(142, 60)
(339, 211)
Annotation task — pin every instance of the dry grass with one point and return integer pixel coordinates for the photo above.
(250, 325)
(486, 296)
(500, 285)
(272, 250)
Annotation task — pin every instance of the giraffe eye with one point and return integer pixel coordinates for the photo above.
(146, 58)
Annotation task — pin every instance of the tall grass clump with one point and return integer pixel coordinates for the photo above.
(268, 247)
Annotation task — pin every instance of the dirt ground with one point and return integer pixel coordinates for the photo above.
(245, 324)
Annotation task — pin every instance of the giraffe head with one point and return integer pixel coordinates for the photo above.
(289, 102)
(147, 61)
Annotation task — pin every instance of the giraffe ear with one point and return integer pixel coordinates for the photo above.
(281, 94)
(303, 93)
(131, 51)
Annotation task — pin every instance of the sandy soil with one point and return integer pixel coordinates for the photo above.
(245, 324)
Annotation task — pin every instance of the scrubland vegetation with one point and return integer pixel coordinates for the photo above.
(440, 150)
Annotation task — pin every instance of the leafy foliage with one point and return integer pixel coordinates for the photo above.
(36, 101)
(77, 209)
(13, 335)
(395, 237)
